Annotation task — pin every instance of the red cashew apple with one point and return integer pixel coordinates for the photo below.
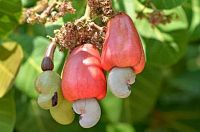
(83, 82)
(122, 54)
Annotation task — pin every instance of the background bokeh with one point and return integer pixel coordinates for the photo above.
(165, 96)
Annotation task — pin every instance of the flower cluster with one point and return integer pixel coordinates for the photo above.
(72, 35)
(102, 8)
(45, 12)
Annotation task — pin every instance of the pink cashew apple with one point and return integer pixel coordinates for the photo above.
(83, 82)
(122, 54)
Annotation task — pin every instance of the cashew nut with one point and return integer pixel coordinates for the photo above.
(89, 111)
(119, 81)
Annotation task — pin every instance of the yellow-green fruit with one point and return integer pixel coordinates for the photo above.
(60, 97)
(63, 113)
(45, 101)
(48, 82)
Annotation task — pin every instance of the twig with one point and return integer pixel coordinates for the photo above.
(47, 62)
(85, 17)
(47, 12)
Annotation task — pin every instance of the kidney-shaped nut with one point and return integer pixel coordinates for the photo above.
(89, 111)
(119, 81)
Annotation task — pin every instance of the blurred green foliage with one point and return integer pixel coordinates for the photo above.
(165, 97)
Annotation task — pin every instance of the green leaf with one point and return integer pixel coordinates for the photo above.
(187, 6)
(195, 35)
(10, 60)
(164, 46)
(37, 30)
(178, 105)
(167, 4)
(160, 32)
(144, 94)
(166, 52)
(119, 5)
(112, 110)
(28, 3)
(196, 17)
(177, 23)
(179, 121)
(192, 9)
(10, 11)
(120, 127)
(31, 114)
(7, 113)
(50, 27)
(34, 50)
(80, 6)
(163, 49)
(187, 82)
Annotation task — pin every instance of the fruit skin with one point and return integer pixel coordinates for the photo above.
(122, 46)
(47, 82)
(45, 101)
(63, 113)
(82, 75)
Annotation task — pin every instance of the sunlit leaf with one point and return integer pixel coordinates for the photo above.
(179, 20)
(7, 113)
(164, 53)
(11, 55)
(192, 9)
